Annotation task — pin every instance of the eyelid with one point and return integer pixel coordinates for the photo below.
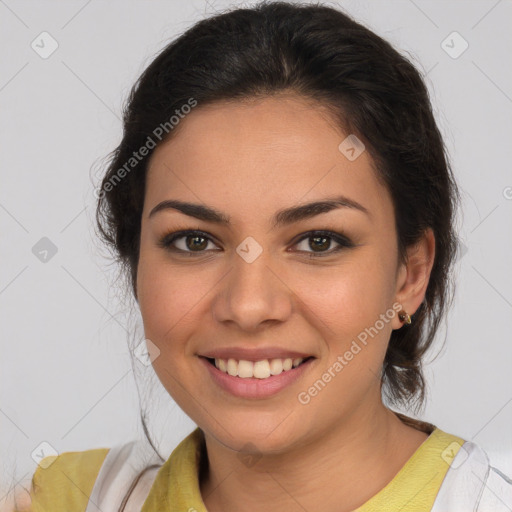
(167, 239)
(337, 237)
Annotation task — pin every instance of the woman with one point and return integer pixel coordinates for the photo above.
(284, 209)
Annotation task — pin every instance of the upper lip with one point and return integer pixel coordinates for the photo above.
(253, 354)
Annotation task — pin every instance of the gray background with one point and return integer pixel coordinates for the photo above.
(65, 368)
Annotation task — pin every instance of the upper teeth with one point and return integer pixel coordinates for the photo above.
(259, 369)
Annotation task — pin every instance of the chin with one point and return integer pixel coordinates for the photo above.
(253, 435)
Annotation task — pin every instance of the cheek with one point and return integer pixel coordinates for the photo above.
(351, 310)
(346, 312)
(346, 298)
(168, 299)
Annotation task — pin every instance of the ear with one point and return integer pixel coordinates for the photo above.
(414, 275)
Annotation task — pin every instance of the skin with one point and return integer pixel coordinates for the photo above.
(250, 159)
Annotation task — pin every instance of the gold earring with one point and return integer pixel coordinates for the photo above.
(404, 317)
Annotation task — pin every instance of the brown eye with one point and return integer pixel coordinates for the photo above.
(318, 243)
(196, 242)
(186, 242)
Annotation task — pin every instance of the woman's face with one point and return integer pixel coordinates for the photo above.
(253, 283)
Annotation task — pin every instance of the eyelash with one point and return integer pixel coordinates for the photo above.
(166, 241)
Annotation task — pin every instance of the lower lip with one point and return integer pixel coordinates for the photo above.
(252, 387)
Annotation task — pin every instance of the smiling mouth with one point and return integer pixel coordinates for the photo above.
(259, 369)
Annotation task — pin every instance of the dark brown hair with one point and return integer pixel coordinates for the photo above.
(371, 90)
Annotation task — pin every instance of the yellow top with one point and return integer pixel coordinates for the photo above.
(67, 483)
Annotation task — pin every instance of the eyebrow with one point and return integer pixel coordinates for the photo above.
(281, 218)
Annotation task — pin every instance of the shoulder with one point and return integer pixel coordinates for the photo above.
(65, 480)
(101, 478)
(491, 488)
(473, 483)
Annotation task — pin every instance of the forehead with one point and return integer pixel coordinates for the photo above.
(261, 155)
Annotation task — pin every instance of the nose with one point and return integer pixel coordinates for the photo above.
(253, 295)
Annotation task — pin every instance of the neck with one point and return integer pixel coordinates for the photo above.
(352, 462)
